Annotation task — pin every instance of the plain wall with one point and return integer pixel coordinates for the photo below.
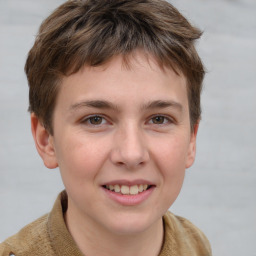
(219, 193)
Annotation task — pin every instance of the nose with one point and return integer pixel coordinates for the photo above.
(129, 148)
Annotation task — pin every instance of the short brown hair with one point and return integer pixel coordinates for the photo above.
(90, 32)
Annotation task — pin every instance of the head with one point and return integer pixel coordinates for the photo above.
(115, 101)
(90, 33)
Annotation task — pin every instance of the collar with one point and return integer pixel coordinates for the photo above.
(61, 240)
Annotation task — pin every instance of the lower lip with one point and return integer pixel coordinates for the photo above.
(129, 200)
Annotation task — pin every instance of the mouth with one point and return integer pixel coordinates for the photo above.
(128, 190)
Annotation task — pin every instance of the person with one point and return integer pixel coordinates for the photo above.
(114, 97)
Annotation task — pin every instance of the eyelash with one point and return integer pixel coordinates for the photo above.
(167, 120)
(88, 120)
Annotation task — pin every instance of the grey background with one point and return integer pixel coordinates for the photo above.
(219, 193)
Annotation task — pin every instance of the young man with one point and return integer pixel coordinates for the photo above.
(115, 104)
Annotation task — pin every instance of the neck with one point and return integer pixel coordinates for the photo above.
(93, 240)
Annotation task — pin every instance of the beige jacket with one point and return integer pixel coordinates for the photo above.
(49, 236)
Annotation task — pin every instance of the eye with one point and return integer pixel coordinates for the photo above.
(159, 120)
(94, 120)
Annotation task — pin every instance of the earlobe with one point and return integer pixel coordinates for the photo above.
(192, 146)
(44, 143)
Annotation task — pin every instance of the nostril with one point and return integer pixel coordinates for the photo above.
(120, 163)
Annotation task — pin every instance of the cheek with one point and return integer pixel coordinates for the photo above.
(172, 154)
(171, 160)
(172, 167)
(80, 158)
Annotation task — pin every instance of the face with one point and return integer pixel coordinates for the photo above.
(122, 141)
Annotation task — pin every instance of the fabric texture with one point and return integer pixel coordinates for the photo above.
(49, 236)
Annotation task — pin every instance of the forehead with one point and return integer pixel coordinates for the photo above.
(124, 75)
(136, 59)
(134, 62)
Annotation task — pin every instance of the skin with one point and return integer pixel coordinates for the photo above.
(118, 124)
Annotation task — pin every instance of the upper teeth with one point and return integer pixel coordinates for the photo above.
(128, 190)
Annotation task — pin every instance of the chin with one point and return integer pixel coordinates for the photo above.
(128, 230)
(130, 224)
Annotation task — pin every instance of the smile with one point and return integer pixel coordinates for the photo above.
(127, 190)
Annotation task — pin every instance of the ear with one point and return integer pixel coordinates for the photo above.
(44, 143)
(192, 146)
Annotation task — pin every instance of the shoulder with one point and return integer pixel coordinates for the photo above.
(33, 239)
(187, 236)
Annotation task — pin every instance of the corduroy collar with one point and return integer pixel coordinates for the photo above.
(61, 240)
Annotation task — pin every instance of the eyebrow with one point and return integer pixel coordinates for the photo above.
(103, 104)
(100, 104)
(160, 104)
